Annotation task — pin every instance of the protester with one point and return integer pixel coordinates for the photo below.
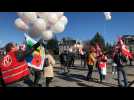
(37, 74)
(91, 60)
(64, 61)
(131, 59)
(82, 55)
(15, 60)
(114, 70)
(48, 72)
(70, 58)
(102, 66)
(119, 59)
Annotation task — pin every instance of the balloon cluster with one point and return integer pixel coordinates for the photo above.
(43, 24)
(108, 15)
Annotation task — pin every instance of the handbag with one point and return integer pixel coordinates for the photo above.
(103, 71)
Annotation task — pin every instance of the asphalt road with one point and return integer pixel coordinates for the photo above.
(76, 78)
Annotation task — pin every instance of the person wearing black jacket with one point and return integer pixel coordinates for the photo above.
(119, 59)
(71, 58)
(64, 61)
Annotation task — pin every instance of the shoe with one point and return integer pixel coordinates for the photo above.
(89, 79)
(100, 81)
(37, 85)
(103, 81)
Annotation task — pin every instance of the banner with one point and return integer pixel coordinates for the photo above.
(36, 60)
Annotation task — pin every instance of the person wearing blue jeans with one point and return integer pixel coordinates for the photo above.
(119, 59)
(121, 72)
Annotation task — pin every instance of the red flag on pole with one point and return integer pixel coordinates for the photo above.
(98, 49)
(125, 51)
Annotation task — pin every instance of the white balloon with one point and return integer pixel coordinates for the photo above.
(108, 15)
(60, 14)
(64, 20)
(21, 25)
(39, 25)
(52, 18)
(20, 14)
(33, 32)
(47, 35)
(43, 15)
(58, 27)
(39, 13)
(29, 17)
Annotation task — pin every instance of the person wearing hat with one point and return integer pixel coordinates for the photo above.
(91, 60)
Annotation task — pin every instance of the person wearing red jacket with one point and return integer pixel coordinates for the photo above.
(13, 66)
(102, 66)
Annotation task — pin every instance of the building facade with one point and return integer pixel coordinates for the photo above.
(67, 44)
(129, 41)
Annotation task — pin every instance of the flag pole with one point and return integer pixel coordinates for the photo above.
(104, 28)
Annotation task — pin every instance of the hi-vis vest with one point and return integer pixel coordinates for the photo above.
(11, 69)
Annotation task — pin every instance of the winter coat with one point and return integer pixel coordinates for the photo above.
(103, 64)
(91, 59)
(48, 71)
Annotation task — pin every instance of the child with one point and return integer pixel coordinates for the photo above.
(102, 67)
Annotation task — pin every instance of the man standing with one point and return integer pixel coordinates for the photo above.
(64, 61)
(91, 60)
(119, 59)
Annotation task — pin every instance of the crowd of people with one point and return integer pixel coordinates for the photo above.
(95, 58)
(15, 67)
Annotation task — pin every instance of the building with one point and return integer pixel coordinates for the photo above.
(65, 44)
(129, 41)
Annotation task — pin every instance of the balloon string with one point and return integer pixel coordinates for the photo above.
(104, 28)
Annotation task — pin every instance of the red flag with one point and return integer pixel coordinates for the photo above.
(98, 49)
(36, 60)
(124, 49)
